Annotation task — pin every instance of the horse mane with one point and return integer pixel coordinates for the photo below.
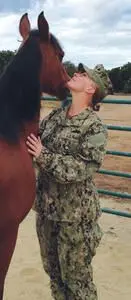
(20, 88)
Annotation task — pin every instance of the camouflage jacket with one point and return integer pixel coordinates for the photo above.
(73, 150)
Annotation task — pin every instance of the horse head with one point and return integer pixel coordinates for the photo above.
(53, 77)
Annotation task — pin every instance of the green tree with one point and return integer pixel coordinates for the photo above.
(5, 57)
(125, 75)
(127, 87)
(114, 76)
(70, 68)
(120, 77)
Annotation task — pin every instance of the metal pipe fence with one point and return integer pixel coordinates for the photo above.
(111, 152)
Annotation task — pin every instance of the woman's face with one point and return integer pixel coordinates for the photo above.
(80, 82)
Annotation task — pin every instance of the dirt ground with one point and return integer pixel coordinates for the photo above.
(26, 279)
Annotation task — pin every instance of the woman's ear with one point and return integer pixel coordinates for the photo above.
(90, 90)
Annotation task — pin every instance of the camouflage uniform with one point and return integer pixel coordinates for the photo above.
(67, 202)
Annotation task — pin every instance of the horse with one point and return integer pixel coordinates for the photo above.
(36, 67)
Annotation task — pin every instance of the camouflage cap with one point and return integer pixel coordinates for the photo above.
(99, 76)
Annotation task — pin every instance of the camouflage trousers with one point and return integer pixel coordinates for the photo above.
(67, 250)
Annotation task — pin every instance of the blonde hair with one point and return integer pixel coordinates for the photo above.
(96, 99)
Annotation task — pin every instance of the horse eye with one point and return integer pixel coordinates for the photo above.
(61, 57)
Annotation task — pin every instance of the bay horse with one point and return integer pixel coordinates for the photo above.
(37, 67)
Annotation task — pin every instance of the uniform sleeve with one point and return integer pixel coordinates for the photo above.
(79, 167)
(42, 124)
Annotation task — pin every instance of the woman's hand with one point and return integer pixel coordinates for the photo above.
(34, 145)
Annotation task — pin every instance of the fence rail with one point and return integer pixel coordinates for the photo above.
(114, 194)
(106, 100)
(118, 153)
(116, 101)
(116, 212)
(121, 128)
(115, 173)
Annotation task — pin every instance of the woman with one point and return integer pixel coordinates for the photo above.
(69, 152)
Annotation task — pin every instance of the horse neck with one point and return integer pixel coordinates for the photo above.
(11, 123)
(31, 127)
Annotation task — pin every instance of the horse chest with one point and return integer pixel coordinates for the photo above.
(17, 181)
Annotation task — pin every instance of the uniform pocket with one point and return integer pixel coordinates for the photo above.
(92, 235)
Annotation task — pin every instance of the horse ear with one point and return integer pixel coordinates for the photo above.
(43, 27)
(24, 26)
